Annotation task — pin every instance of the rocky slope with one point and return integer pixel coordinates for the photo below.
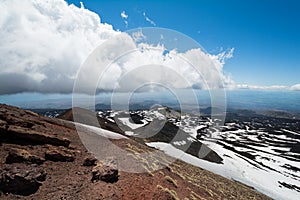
(250, 145)
(44, 158)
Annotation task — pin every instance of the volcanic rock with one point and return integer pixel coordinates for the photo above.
(21, 155)
(106, 170)
(59, 155)
(21, 179)
(90, 161)
(22, 133)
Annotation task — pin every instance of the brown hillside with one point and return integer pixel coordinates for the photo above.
(43, 158)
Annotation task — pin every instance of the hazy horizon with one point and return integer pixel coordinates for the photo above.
(256, 100)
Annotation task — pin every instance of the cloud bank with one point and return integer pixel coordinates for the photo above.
(44, 43)
(272, 87)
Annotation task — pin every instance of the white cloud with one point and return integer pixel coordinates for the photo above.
(138, 36)
(124, 16)
(225, 55)
(44, 43)
(296, 87)
(81, 5)
(169, 69)
(148, 19)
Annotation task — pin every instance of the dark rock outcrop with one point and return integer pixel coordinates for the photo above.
(106, 170)
(25, 127)
(21, 155)
(59, 155)
(21, 179)
(90, 161)
(19, 134)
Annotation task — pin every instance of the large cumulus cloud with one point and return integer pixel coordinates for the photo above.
(44, 43)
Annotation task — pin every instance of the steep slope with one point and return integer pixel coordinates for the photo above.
(43, 158)
(159, 130)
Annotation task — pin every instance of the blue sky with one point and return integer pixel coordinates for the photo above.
(44, 43)
(265, 34)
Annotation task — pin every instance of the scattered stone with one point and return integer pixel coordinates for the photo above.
(79, 173)
(20, 156)
(90, 161)
(58, 155)
(106, 170)
(21, 179)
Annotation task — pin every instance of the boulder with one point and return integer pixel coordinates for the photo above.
(90, 161)
(21, 155)
(106, 170)
(21, 179)
(59, 155)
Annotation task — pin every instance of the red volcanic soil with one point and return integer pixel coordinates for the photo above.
(44, 158)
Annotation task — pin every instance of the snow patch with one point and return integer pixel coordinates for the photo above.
(101, 132)
(131, 125)
(238, 169)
